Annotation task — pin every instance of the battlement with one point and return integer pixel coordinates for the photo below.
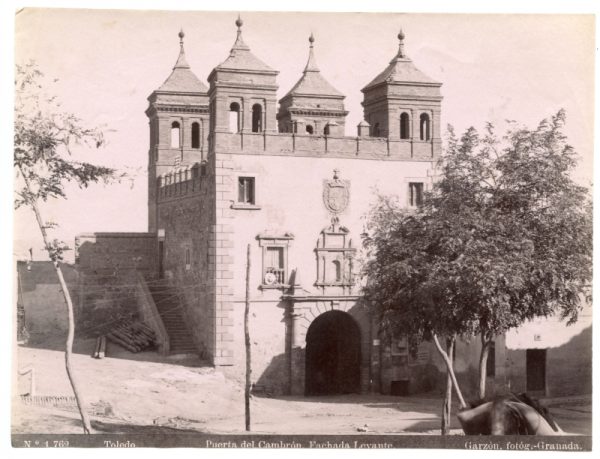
(289, 144)
(183, 181)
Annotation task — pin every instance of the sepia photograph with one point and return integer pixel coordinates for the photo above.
(276, 229)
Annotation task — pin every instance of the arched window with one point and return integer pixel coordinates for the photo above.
(425, 127)
(175, 133)
(326, 130)
(376, 132)
(404, 126)
(195, 135)
(234, 117)
(309, 129)
(256, 118)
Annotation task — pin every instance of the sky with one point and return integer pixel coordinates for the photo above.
(107, 62)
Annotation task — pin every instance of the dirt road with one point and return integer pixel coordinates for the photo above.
(152, 392)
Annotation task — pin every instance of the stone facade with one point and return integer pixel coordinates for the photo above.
(229, 169)
(293, 187)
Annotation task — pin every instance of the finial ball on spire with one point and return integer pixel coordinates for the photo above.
(181, 34)
(238, 22)
(401, 35)
(311, 39)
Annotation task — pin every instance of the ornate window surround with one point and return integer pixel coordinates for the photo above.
(328, 252)
(266, 240)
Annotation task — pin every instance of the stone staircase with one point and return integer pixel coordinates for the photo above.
(170, 310)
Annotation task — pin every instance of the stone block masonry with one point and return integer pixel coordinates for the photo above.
(223, 239)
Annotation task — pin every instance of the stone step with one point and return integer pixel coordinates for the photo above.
(171, 313)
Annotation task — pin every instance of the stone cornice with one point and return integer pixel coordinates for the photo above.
(401, 83)
(176, 108)
(233, 85)
(312, 298)
(242, 71)
(314, 112)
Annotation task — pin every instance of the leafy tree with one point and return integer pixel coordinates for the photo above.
(43, 137)
(504, 236)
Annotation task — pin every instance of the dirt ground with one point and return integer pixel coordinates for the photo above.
(144, 392)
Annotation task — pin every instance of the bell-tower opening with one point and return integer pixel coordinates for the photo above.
(257, 118)
(376, 130)
(175, 133)
(425, 125)
(195, 135)
(333, 355)
(234, 117)
(309, 129)
(404, 126)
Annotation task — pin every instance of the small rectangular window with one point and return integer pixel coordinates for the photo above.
(246, 190)
(415, 191)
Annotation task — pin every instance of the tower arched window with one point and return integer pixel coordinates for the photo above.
(425, 125)
(257, 118)
(309, 129)
(404, 126)
(376, 131)
(326, 130)
(195, 135)
(234, 117)
(175, 133)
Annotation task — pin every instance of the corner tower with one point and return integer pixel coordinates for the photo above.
(178, 119)
(312, 106)
(243, 92)
(402, 103)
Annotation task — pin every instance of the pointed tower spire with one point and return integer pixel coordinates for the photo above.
(315, 97)
(181, 61)
(311, 65)
(182, 79)
(239, 41)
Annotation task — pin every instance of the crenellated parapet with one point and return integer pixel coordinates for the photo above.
(181, 182)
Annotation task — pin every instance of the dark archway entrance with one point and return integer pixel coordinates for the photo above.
(333, 355)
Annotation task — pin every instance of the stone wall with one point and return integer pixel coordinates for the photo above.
(41, 299)
(108, 264)
(186, 216)
(568, 351)
(289, 205)
(327, 146)
(109, 253)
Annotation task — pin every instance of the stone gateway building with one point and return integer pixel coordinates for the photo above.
(228, 167)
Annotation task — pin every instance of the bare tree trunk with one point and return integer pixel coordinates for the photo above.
(247, 342)
(447, 408)
(483, 357)
(450, 369)
(87, 428)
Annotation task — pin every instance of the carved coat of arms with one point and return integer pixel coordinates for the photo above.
(336, 194)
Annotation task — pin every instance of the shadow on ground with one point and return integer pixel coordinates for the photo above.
(86, 347)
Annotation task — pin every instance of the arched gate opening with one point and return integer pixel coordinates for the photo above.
(333, 355)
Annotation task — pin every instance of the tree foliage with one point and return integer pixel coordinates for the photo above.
(504, 236)
(44, 136)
